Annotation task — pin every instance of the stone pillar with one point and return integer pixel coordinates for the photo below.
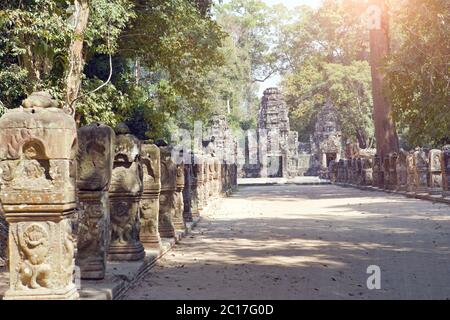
(402, 172)
(378, 175)
(346, 171)
(167, 200)
(392, 181)
(38, 147)
(446, 171)
(386, 170)
(367, 171)
(421, 164)
(95, 164)
(178, 218)
(341, 174)
(210, 178)
(333, 171)
(411, 172)
(149, 205)
(187, 192)
(125, 195)
(197, 186)
(435, 172)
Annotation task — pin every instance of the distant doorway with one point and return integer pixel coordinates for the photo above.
(331, 157)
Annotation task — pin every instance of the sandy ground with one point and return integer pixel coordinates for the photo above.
(309, 242)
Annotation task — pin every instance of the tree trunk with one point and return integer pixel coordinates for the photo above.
(76, 59)
(385, 131)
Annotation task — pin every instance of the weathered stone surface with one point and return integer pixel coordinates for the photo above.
(402, 171)
(411, 172)
(149, 204)
(367, 171)
(178, 219)
(392, 175)
(326, 142)
(125, 193)
(421, 165)
(197, 186)
(378, 173)
(446, 171)
(188, 191)
(167, 200)
(95, 164)
(38, 145)
(3, 238)
(435, 172)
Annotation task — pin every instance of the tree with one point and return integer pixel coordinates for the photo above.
(417, 71)
(385, 129)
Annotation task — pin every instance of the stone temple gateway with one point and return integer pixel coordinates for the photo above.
(275, 151)
(276, 147)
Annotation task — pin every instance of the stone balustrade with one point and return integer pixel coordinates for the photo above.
(419, 173)
(79, 198)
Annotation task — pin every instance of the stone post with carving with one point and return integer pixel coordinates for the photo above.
(149, 205)
(95, 164)
(178, 218)
(167, 199)
(421, 165)
(378, 181)
(402, 171)
(125, 195)
(38, 147)
(411, 172)
(367, 171)
(188, 191)
(446, 171)
(386, 170)
(435, 172)
(392, 177)
(197, 186)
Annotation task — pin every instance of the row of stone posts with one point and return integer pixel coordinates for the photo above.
(419, 172)
(83, 197)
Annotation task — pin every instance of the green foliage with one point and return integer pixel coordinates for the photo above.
(418, 72)
(325, 51)
(348, 87)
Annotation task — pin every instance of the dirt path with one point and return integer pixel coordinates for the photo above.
(309, 242)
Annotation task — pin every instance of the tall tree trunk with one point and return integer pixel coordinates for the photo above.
(385, 131)
(76, 59)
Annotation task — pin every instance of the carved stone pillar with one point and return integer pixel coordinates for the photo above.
(392, 178)
(38, 147)
(367, 171)
(386, 170)
(446, 171)
(178, 218)
(125, 195)
(149, 206)
(341, 173)
(402, 172)
(95, 164)
(435, 172)
(217, 178)
(378, 176)
(346, 171)
(421, 164)
(187, 192)
(197, 186)
(167, 199)
(411, 172)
